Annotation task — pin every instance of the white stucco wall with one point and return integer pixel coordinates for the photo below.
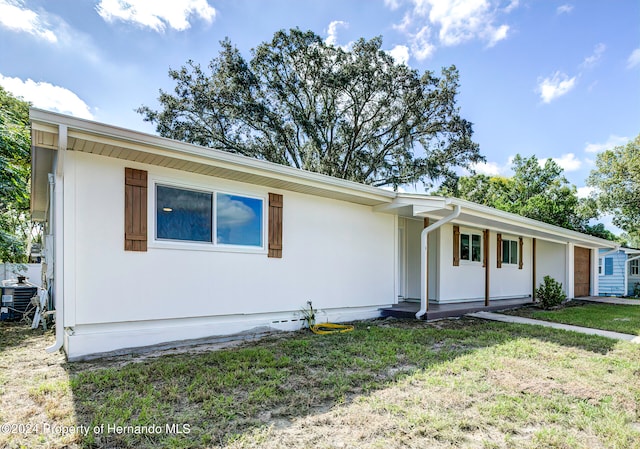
(509, 281)
(339, 255)
(467, 281)
(464, 282)
(551, 260)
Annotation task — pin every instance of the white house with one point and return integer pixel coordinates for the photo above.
(151, 240)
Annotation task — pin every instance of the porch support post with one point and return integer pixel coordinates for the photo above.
(487, 267)
(594, 284)
(570, 274)
(533, 269)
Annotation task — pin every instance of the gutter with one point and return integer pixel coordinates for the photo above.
(424, 254)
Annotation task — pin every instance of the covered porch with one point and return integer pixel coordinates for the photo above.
(459, 257)
(436, 311)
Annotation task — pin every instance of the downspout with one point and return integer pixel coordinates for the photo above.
(424, 254)
(56, 185)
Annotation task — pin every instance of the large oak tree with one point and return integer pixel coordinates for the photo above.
(353, 114)
(15, 156)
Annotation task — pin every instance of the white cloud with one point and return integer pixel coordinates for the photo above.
(332, 31)
(592, 60)
(400, 54)
(463, 20)
(511, 6)
(612, 141)
(454, 22)
(156, 14)
(555, 86)
(634, 58)
(392, 4)
(421, 45)
(564, 9)
(568, 162)
(16, 17)
(585, 192)
(47, 96)
(498, 34)
(488, 168)
(493, 168)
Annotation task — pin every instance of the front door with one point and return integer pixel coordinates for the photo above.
(582, 271)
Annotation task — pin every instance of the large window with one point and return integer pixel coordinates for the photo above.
(196, 216)
(470, 247)
(509, 251)
(634, 267)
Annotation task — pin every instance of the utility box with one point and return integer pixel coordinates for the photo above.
(15, 301)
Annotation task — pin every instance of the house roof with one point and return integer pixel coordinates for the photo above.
(478, 216)
(98, 138)
(111, 141)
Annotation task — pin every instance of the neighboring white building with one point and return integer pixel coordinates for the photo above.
(154, 240)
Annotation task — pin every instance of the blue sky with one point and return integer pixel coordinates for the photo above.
(556, 79)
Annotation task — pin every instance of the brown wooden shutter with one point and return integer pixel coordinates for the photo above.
(520, 246)
(275, 225)
(499, 252)
(135, 210)
(456, 246)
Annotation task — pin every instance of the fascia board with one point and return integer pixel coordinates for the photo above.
(112, 135)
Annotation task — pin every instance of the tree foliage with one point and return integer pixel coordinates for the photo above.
(616, 179)
(15, 144)
(538, 191)
(301, 102)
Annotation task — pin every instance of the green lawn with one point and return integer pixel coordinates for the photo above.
(611, 317)
(450, 384)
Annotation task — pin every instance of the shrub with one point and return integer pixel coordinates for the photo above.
(550, 293)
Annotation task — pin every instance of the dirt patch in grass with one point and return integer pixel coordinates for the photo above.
(390, 383)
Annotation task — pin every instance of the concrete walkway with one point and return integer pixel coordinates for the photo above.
(610, 300)
(584, 330)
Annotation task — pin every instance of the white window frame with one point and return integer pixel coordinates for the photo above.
(204, 246)
(471, 233)
(510, 240)
(600, 265)
(634, 267)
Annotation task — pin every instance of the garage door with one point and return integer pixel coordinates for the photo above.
(582, 271)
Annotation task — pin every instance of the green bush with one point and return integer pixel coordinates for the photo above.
(550, 293)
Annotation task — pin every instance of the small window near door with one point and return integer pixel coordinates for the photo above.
(634, 267)
(509, 252)
(470, 247)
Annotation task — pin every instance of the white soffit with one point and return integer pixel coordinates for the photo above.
(105, 140)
